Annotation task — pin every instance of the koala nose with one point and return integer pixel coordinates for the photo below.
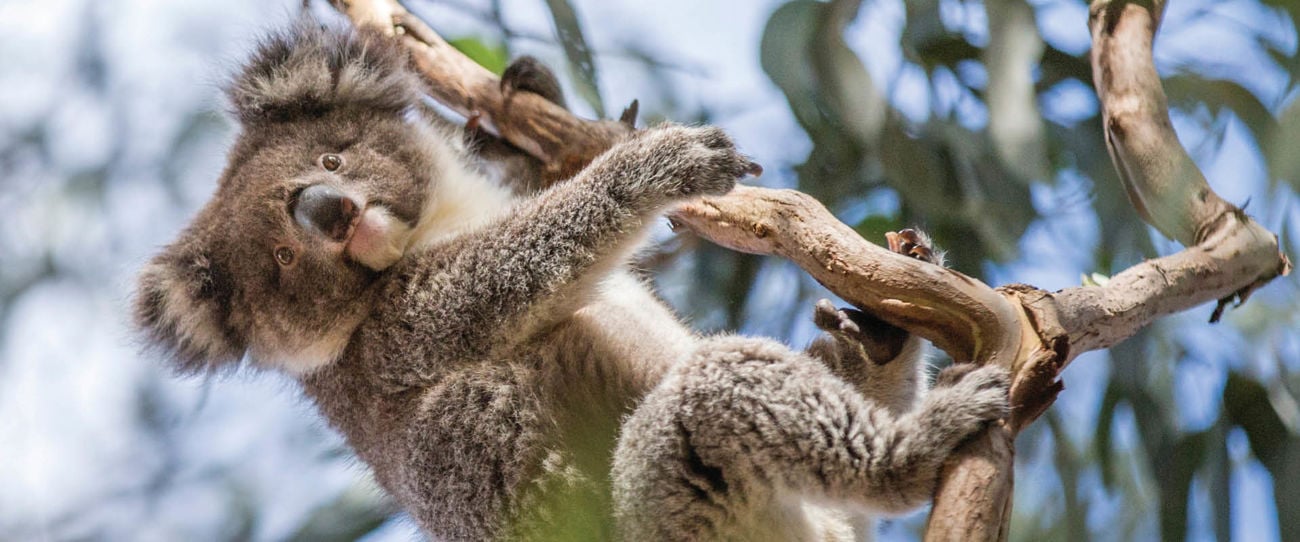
(326, 210)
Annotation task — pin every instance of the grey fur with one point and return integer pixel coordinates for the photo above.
(493, 372)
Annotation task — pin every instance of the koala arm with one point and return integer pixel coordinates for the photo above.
(496, 286)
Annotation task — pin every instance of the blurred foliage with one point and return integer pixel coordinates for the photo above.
(993, 157)
(494, 57)
(938, 167)
(970, 186)
(581, 64)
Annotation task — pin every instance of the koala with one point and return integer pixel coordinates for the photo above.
(490, 355)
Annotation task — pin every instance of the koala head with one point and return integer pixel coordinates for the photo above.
(324, 186)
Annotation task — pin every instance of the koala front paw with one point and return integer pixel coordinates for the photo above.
(967, 396)
(669, 163)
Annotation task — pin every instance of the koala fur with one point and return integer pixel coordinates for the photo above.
(491, 357)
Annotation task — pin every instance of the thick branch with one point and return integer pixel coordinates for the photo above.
(1237, 257)
(979, 471)
(1228, 255)
(1235, 254)
(962, 315)
(548, 132)
(1163, 183)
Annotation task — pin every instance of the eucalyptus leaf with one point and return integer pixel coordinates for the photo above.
(1057, 65)
(874, 227)
(821, 98)
(849, 92)
(1247, 404)
(1015, 123)
(492, 56)
(1101, 435)
(1187, 90)
(783, 55)
(1279, 150)
(1175, 469)
(581, 63)
(924, 30)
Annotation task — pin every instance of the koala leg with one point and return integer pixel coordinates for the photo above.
(732, 443)
(505, 281)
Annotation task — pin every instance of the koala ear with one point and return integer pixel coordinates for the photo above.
(182, 304)
(310, 69)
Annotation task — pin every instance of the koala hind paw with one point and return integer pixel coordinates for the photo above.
(973, 395)
(915, 244)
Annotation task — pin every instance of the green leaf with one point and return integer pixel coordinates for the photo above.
(1101, 436)
(1058, 65)
(1094, 279)
(824, 101)
(783, 52)
(854, 101)
(1218, 479)
(1279, 150)
(492, 56)
(874, 227)
(1187, 90)
(1015, 123)
(1175, 469)
(946, 50)
(928, 42)
(828, 87)
(581, 63)
(1247, 405)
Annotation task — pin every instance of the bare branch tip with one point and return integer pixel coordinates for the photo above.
(629, 114)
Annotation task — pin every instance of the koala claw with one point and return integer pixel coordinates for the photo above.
(915, 244)
(686, 161)
(828, 318)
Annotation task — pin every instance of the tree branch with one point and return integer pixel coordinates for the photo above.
(564, 143)
(1228, 256)
(961, 315)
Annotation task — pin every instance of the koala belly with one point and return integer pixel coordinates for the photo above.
(520, 448)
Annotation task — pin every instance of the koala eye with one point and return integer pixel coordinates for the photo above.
(331, 162)
(284, 255)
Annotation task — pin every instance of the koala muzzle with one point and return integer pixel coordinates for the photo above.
(327, 210)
